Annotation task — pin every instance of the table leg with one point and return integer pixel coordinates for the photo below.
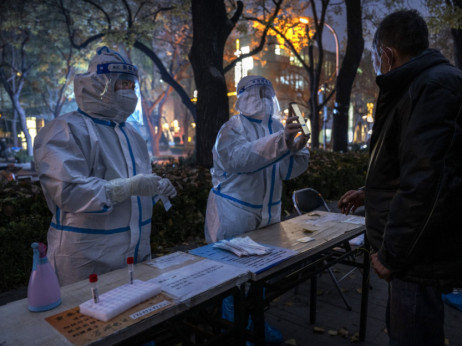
(313, 289)
(258, 315)
(364, 291)
(240, 315)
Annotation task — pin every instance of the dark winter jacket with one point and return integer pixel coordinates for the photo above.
(414, 181)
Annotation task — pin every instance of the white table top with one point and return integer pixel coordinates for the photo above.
(19, 326)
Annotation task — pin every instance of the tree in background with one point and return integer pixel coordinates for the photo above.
(172, 43)
(16, 32)
(36, 64)
(447, 15)
(347, 74)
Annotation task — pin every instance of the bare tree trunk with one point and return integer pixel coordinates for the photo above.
(457, 37)
(22, 119)
(153, 121)
(14, 91)
(211, 28)
(14, 128)
(315, 68)
(347, 73)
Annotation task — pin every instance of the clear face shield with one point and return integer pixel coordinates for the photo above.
(121, 87)
(258, 100)
(270, 100)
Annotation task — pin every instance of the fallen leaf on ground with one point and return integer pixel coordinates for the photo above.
(332, 332)
(354, 338)
(343, 332)
(318, 330)
(291, 342)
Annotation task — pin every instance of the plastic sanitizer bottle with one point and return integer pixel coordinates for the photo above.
(43, 292)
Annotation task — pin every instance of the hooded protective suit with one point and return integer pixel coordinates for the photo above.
(96, 175)
(250, 160)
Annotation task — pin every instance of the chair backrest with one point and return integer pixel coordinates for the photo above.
(308, 199)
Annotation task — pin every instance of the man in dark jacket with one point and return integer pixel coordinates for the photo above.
(413, 192)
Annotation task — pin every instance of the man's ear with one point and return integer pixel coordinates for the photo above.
(390, 55)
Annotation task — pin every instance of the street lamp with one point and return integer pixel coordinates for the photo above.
(305, 21)
(336, 47)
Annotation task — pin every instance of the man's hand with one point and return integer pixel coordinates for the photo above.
(351, 200)
(382, 271)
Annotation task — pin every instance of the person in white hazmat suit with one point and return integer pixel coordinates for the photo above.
(96, 175)
(252, 154)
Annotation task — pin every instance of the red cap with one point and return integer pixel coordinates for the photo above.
(93, 277)
(130, 260)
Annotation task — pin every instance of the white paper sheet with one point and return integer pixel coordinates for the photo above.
(198, 277)
(317, 219)
(171, 260)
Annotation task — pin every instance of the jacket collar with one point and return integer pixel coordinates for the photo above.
(398, 79)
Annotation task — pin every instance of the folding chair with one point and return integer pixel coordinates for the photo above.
(307, 200)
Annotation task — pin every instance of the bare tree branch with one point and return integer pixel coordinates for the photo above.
(71, 32)
(129, 13)
(256, 50)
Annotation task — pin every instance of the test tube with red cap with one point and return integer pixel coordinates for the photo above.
(94, 287)
(130, 261)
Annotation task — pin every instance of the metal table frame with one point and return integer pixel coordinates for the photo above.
(265, 288)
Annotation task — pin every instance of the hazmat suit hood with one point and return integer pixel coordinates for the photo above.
(95, 90)
(256, 98)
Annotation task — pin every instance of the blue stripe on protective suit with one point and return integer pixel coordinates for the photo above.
(95, 231)
(89, 230)
(273, 174)
(236, 200)
(251, 119)
(289, 171)
(98, 121)
(268, 165)
(105, 209)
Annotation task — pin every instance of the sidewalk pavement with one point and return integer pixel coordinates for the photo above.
(290, 313)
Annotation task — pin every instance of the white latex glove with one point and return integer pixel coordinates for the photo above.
(299, 143)
(120, 189)
(166, 188)
(291, 130)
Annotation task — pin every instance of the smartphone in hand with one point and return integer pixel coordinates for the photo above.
(301, 120)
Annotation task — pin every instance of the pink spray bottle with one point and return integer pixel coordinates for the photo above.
(43, 292)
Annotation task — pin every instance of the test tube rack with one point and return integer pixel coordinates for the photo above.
(120, 299)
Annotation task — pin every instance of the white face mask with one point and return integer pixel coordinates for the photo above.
(268, 106)
(126, 101)
(377, 62)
